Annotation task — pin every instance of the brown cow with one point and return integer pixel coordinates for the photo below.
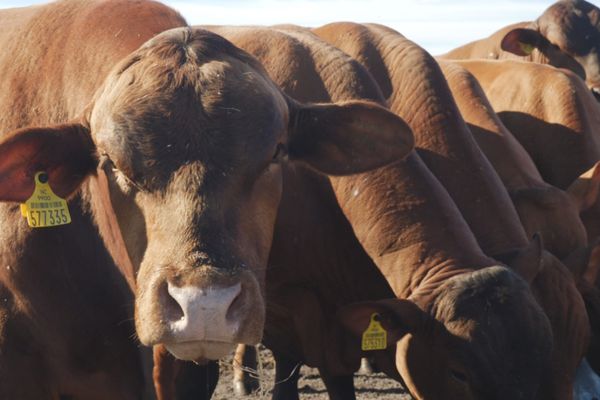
(555, 119)
(419, 241)
(172, 145)
(542, 207)
(441, 137)
(566, 35)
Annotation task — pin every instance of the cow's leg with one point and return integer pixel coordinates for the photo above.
(244, 359)
(183, 380)
(164, 373)
(196, 382)
(366, 368)
(339, 387)
(287, 373)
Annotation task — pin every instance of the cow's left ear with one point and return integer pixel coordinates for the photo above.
(65, 152)
(528, 261)
(397, 316)
(347, 138)
(586, 188)
(521, 41)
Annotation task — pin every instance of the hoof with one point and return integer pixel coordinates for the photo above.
(365, 367)
(240, 389)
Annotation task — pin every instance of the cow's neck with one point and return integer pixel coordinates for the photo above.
(409, 226)
(510, 160)
(422, 97)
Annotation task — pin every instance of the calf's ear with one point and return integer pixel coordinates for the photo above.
(347, 138)
(397, 316)
(521, 41)
(586, 188)
(528, 261)
(65, 152)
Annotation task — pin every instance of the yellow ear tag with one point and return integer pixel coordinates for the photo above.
(44, 208)
(375, 337)
(526, 48)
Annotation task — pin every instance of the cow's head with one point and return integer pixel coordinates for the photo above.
(554, 213)
(483, 337)
(566, 35)
(188, 134)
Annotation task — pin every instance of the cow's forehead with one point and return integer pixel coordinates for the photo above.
(159, 114)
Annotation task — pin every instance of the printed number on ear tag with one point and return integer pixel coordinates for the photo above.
(526, 48)
(375, 337)
(44, 208)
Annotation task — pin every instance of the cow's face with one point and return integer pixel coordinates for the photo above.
(483, 337)
(567, 35)
(192, 156)
(189, 132)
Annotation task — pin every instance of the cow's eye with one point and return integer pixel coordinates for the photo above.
(280, 152)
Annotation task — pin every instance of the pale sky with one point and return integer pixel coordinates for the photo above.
(436, 25)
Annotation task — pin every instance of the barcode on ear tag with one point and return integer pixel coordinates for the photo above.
(375, 337)
(44, 208)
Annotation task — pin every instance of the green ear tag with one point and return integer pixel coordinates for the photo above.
(375, 337)
(44, 208)
(526, 48)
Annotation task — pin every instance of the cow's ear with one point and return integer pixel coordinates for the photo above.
(65, 152)
(347, 138)
(521, 41)
(586, 188)
(397, 316)
(528, 261)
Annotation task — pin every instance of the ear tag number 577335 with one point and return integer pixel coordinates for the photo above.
(44, 208)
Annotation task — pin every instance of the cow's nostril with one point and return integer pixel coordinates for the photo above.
(173, 310)
(235, 306)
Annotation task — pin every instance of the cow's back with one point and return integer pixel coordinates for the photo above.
(417, 91)
(550, 111)
(55, 56)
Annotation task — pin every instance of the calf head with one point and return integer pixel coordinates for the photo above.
(566, 35)
(555, 214)
(480, 335)
(188, 133)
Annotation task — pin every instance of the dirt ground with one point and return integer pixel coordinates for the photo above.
(375, 386)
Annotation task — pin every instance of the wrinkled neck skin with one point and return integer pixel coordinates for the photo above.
(505, 153)
(409, 226)
(420, 239)
(556, 104)
(417, 91)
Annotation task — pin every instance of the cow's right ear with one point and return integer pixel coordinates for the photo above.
(521, 41)
(65, 152)
(397, 316)
(347, 138)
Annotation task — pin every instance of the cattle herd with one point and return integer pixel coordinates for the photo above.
(294, 186)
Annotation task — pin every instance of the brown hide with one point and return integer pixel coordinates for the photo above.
(410, 227)
(441, 136)
(190, 134)
(439, 129)
(566, 35)
(542, 208)
(65, 315)
(316, 264)
(551, 114)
